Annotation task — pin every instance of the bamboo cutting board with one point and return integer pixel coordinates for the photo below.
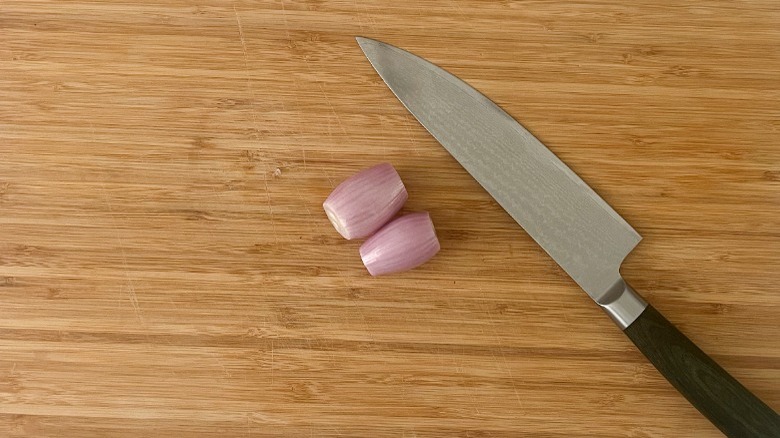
(166, 268)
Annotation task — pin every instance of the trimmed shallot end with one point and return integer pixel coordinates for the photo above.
(405, 243)
(364, 202)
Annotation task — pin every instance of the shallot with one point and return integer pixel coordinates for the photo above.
(364, 202)
(403, 244)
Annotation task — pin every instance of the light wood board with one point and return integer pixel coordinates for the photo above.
(166, 268)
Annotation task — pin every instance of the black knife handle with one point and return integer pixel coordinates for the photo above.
(721, 398)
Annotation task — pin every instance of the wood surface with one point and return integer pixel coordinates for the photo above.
(166, 268)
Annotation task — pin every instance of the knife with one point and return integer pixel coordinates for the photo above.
(577, 228)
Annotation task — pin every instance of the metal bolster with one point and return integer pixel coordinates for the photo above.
(622, 303)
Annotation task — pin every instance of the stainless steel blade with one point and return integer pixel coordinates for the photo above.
(581, 232)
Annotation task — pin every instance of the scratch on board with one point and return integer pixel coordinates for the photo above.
(300, 135)
(386, 110)
(503, 357)
(332, 109)
(246, 66)
(308, 210)
(460, 11)
(254, 120)
(357, 13)
(225, 370)
(121, 244)
(325, 95)
(3, 190)
(268, 198)
(322, 90)
(411, 136)
(384, 132)
(363, 320)
(369, 18)
(286, 24)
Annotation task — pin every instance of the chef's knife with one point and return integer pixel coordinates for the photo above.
(577, 228)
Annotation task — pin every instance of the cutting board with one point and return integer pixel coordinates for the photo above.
(166, 268)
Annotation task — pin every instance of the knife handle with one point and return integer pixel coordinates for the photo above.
(710, 389)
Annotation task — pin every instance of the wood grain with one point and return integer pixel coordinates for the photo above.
(166, 268)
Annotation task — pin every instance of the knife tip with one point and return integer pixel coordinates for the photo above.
(363, 41)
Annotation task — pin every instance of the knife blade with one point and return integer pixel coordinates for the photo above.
(580, 231)
(572, 223)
